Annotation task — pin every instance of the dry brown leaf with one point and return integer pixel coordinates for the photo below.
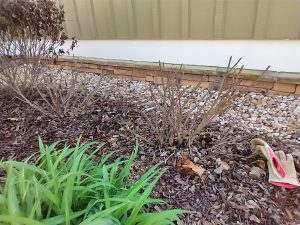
(188, 166)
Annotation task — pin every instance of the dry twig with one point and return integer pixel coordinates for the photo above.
(179, 116)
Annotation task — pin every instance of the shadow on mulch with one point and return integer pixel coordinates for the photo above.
(229, 197)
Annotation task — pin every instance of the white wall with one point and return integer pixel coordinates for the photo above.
(281, 55)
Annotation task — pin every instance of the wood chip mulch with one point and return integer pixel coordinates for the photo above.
(232, 196)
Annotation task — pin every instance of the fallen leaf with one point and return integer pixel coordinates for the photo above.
(187, 165)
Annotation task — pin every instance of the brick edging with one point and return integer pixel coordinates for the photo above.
(273, 82)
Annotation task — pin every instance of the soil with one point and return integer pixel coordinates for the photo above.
(231, 196)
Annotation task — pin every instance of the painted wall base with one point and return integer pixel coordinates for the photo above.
(281, 55)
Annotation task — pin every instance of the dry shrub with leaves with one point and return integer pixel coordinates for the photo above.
(180, 113)
(31, 38)
(32, 29)
(31, 34)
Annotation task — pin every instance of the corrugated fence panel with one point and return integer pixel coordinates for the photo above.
(86, 22)
(239, 19)
(170, 23)
(284, 19)
(182, 19)
(71, 23)
(105, 23)
(202, 19)
(120, 14)
(143, 18)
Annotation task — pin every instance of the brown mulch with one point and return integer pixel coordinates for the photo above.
(220, 197)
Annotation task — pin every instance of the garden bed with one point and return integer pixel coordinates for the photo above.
(232, 196)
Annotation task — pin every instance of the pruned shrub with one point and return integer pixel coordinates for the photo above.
(180, 113)
(62, 93)
(67, 186)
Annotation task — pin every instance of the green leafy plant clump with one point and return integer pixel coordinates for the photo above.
(66, 186)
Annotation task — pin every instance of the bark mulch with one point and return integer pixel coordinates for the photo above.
(232, 196)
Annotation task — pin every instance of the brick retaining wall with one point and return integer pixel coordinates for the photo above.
(271, 83)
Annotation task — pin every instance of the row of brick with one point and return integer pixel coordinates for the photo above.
(207, 80)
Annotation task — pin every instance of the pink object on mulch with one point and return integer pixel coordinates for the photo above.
(276, 162)
(281, 171)
(281, 166)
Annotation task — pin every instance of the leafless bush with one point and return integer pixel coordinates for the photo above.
(65, 93)
(180, 113)
(17, 78)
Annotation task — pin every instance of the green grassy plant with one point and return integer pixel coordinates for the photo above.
(66, 186)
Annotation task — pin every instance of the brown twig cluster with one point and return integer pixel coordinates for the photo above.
(179, 116)
(63, 93)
